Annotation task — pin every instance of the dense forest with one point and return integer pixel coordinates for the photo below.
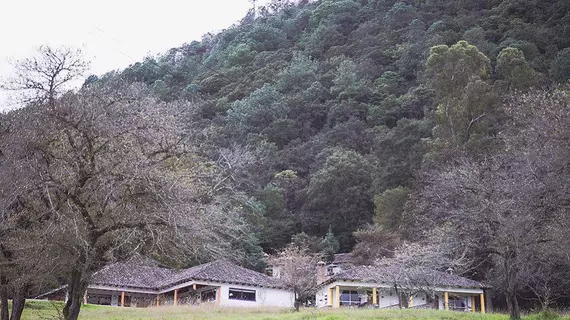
(341, 126)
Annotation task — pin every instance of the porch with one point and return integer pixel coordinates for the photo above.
(131, 297)
(378, 296)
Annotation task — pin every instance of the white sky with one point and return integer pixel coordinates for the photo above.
(112, 33)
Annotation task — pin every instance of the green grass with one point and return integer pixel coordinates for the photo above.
(48, 311)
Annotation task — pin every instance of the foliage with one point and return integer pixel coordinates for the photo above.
(305, 77)
(513, 68)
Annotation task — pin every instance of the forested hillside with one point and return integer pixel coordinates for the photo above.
(430, 132)
(328, 107)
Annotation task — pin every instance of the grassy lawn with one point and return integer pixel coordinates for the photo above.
(48, 311)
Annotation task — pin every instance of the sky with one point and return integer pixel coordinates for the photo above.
(112, 33)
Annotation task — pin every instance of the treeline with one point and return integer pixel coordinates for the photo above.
(333, 101)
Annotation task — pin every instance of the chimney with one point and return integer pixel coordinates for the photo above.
(320, 272)
(450, 270)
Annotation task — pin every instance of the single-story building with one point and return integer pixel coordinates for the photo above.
(219, 282)
(386, 287)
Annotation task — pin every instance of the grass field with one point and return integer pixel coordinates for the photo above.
(49, 311)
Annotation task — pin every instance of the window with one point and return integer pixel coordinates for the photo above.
(349, 298)
(242, 294)
(330, 271)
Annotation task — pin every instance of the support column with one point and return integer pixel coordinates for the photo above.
(331, 297)
(85, 297)
(411, 301)
(194, 287)
(374, 298)
(122, 298)
(482, 303)
(158, 300)
(175, 297)
(446, 300)
(219, 295)
(337, 297)
(472, 304)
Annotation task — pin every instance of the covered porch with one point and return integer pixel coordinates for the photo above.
(355, 294)
(187, 294)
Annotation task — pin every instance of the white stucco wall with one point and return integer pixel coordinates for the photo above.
(265, 297)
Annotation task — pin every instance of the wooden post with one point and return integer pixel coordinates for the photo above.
(472, 304)
(219, 294)
(175, 297)
(411, 301)
(331, 297)
(482, 303)
(85, 297)
(194, 287)
(446, 300)
(374, 298)
(337, 297)
(122, 298)
(158, 300)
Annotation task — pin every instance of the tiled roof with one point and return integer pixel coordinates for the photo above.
(132, 276)
(379, 274)
(222, 271)
(154, 278)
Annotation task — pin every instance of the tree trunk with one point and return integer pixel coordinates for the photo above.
(296, 304)
(18, 303)
(513, 306)
(399, 296)
(76, 288)
(17, 307)
(511, 294)
(4, 312)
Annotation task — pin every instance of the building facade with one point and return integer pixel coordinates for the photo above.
(219, 283)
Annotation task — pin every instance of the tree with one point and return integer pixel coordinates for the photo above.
(374, 243)
(329, 245)
(389, 207)
(38, 80)
(513, 68)
(298, 272)
(560, 69)
(347, 83)
(47, 75)
(116, 175)
(509, 208)
(465, 99)
(415, 267)
(339, 196)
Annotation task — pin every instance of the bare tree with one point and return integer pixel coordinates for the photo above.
(115, 174)
(510, 207)
(374, 243)
(47, 75)
(416, 267)
(298, 272)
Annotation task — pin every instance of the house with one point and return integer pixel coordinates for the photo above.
(219, 282)
(385, 287)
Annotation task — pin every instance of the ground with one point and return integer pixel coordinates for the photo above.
(49, 311)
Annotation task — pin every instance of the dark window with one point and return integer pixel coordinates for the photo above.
(242, 294)
(349, 298)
